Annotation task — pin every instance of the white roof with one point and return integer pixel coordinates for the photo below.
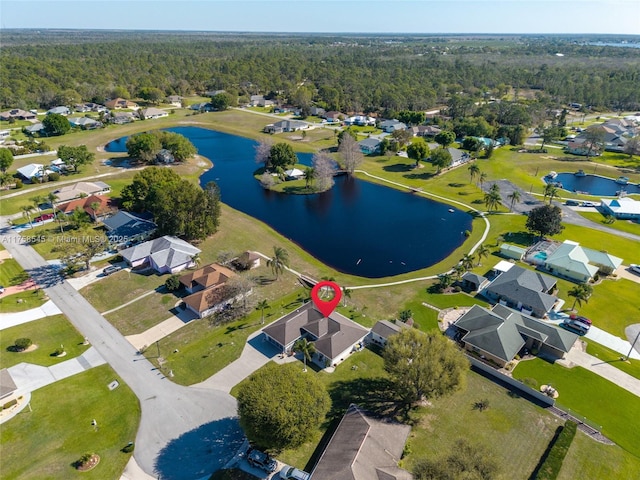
(503, 266)
(624, 205)
(294, 172)
(33, 170)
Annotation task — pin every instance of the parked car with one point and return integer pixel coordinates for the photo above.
(575, 326)
(43, 217)
(1, 289)
(111, 269)
(291, 473)
(635, 268)
(581, 319)
(261, 460)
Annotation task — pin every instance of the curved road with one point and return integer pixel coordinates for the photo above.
(184, 432)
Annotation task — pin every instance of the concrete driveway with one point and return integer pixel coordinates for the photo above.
(185, 432)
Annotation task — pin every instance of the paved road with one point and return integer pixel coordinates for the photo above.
(185, 432)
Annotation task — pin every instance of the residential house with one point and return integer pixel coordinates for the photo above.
(96, 206)
(334, 337)
(458, 156)
(152, 113)
(7, 386)
(260, 101)
(202, 107)
(333, 116)
(425, 131)
(4, 135)
(95, 107)
(318, 111)
(84, 123)
(391, 126)
(248, 260)
(383, 329)
(369, 146)
(361, 121)
(208, 289)
(165, 157)
(294, 174)
(579, 146)
(522, 289)
(285, 126)
(473, 282)
(165, 254)
(34, 171)
(81, 108)
(175, 100)
(363, 447)
(59, 111)
(213, 93)
(35, 128)
(118, 103)
(512, 251)
(17, 114)
(81, 189)
(126, 228)
(580, 264)
(120, 118)
(502, 333)
(624, 208)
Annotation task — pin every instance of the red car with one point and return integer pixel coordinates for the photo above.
(573, 316)
(42, 218)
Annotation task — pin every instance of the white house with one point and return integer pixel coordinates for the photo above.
(152, 113)
(165, 254)
(581, 264)
(622, 208)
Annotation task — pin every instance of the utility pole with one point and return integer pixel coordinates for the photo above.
(632, 346)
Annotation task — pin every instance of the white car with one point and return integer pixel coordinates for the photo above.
(291, 473)
(635, 268)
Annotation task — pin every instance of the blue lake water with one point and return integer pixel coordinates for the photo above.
(357, 227)
(593, 184)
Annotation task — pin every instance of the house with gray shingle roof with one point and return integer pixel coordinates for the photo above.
(580, 264)
(383, 329)
(126, 228)
(369, 146)
(473, 281)
(334, 337)
(501, 333)
(363, 448)
(285, 126)
(523, 289)
(165, 254)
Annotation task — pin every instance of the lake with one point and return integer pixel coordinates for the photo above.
(592, 184)
(357, 227)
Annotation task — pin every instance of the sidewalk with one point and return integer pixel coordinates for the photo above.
(8, 320)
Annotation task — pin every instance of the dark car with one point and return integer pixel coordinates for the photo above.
(579, 318)
(43, 217)
(259, 459)
(111, 269)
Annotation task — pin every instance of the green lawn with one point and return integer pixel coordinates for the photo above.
(591, 396)
(631, 366)
(622, 225)
(11, 273)
(48, 334)
(613, 305)
(19, 302)
(143, 314)
(42, 444)
(203, 349)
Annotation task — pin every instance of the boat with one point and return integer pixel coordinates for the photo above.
(451, 210)
(580, 173)
(552, 175)
(622, 180)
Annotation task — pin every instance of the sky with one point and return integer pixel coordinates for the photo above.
(330, 16)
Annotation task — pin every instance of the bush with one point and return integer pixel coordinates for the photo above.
(128, 448)
(18, 184)
(54, 176)
(58, 351)
(9, 404)
(173, 283)
(551, 466)
(23, 343)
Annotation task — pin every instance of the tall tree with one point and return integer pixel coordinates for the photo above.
(474, 171)
(56, 124)
(309, 175)
(306, 348)
(514, 197)
(262, 306)
(279, 261)
(263, 152)
(580, 293)
(423, 365)
(467, 261)
(594, 138)
(75, 156)
(350, 153)
(418, 151)
(144, 146)
(492, 200)
(482, 251)
(282, 155)
(482, 178)
(6, 159)
(325, 169)
(445, 138)
(545, 220)
(632, 146)
(550, 191)
(279, 408)
(441, 158)
(26, 213)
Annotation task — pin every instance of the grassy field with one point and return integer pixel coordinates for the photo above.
(199, 350)
(631, 366)
(11, 273)
(43, 443)
(144, 313)
(593, 397)
(514, 430)
(622, 225)
(48, 334)
(19, 302)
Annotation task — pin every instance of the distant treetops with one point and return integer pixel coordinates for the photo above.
(146, 146)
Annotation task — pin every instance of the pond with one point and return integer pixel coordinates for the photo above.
(592, 184)
(357, 227)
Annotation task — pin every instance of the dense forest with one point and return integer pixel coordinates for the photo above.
(347, 73)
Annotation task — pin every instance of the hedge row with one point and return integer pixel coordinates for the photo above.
(550, 469)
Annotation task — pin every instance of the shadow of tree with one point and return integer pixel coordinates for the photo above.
(419, 176)
(199, 452)
(46, 275)
(376, 395)
(398, 167)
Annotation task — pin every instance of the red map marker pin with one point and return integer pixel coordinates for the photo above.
(326, 307)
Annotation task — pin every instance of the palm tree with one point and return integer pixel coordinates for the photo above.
(467, 261)
(550, 191)
(444, 281)
(309, 174)
(474, 171)
(195, 259)
(26, 213)
(279, 261)
(514, 197)
(483, 251)
(36, 201)
(492, 200)
(262, 305)
(458, 270)
(306, 348)
(51, 197)
(581, 293)
(346, 293)
(482, 178)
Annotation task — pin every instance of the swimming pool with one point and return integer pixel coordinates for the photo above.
(540, 256)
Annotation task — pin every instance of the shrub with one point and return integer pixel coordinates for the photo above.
(58, 351)
(9, 404)
(128, 448)
(54, 176)
(550, 468)
(173, 283)
(18, 184)
(23, 343)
